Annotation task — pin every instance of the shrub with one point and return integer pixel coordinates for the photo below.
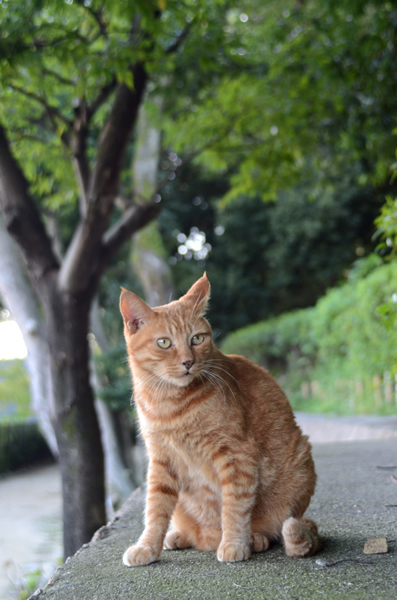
(337, 356)
(21, 444)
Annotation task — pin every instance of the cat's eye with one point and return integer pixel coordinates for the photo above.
(197, 339)
(164, 343)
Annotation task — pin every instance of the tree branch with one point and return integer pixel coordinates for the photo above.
(101, 98)
(135, 217)
(79, 149)
(189, 158)
(97, 14)
(180, 39)
(81, 259)
(52, 112)
(59, 77)
(115, 136)
(21, 216)
(82, 117)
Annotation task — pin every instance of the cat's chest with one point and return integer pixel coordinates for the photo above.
(188, 454)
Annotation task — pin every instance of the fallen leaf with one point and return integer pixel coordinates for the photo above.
(376, 546)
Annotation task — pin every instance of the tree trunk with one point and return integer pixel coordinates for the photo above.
(120, 480)
(66, 288)
(149, 257)
(18, 296)
(119, 476)
(76, 424)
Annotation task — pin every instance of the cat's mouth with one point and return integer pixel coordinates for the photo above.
(186, 377)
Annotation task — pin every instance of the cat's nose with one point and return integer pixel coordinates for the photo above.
(188, 363)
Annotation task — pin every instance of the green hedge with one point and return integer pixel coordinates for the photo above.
(278, 344)
(339, 355)
(21, 444)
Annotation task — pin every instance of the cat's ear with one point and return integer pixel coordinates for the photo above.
(199, 295)
(134, 310)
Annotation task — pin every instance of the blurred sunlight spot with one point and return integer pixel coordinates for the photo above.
(274, 130)
(192, 246)
(11, 341)
(243, 18)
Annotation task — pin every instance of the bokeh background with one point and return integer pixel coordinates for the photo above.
(260, 146)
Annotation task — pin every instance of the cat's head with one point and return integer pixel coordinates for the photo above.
(169, 342)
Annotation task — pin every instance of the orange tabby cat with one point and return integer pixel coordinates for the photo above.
(227, 461)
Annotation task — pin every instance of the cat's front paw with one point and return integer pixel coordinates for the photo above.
(233, 552)
(137, 556)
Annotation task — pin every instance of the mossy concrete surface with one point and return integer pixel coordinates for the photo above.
(354, 501)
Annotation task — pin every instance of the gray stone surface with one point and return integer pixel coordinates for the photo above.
(324, 429)
(350, 506)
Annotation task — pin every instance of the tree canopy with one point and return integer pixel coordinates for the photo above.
(60, 66)
(310, 89)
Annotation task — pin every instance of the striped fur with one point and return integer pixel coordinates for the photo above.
(228, 466)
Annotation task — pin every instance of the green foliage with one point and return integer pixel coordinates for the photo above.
(348, 325)
(21, 444)
(294, 102)
(14, 392)
(387, 225)
(387, 231)
(30, 584)
(310, 89)
(115, 378)
(281, 343)
(270, 257)
(58, 58)
(341, 345)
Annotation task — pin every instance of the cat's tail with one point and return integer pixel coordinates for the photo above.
(300, 537)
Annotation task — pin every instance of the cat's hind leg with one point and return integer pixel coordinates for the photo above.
(184, 529)
(200, 530)
(259, 542)
(300, 537)
(176, 539)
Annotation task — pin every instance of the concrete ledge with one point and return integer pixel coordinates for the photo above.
(350, 506)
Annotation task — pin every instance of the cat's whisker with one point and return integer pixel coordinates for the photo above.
(214, 364)
(212, 379)
(162, 388)
(222, 380)
(144, 382)
(158, 386)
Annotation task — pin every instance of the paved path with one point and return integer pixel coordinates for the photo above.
(325, 429)
(30, 526)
